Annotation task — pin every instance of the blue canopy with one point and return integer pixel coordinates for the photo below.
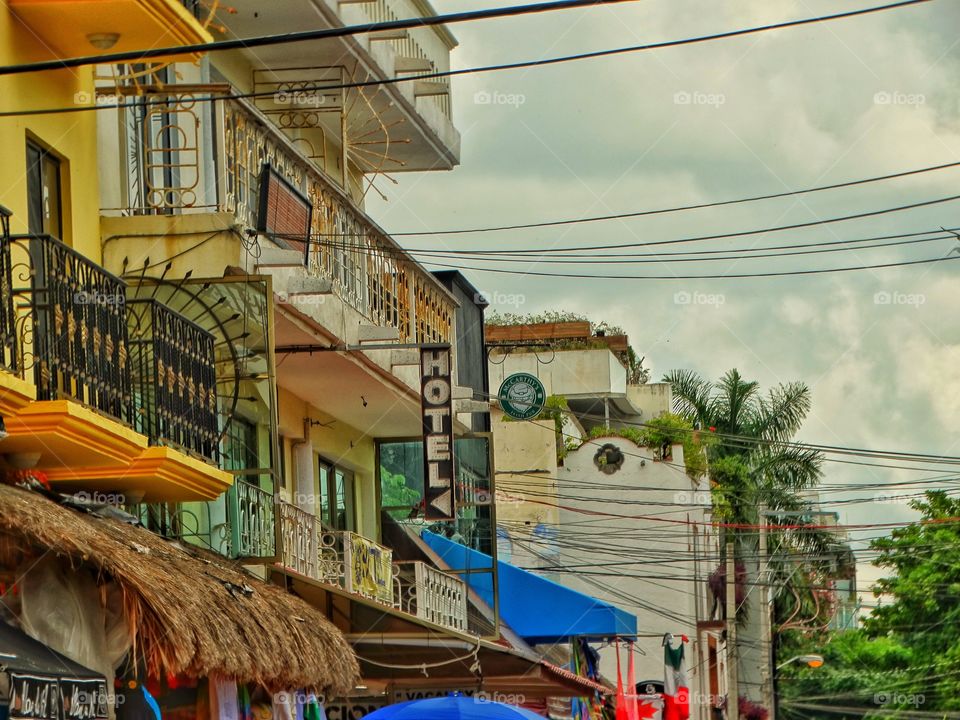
(537, 609)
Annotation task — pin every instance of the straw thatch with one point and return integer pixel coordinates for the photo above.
(191, 611)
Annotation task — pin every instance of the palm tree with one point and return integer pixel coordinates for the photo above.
(754, 462)
(753, 458)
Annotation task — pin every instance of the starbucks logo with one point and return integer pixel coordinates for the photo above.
(522, 396)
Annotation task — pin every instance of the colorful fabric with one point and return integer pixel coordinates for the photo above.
(223, 699)
(676, 691)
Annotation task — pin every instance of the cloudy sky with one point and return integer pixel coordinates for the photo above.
(782, 110)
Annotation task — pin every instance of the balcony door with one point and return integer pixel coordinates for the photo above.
(337, 499)
(44, 206)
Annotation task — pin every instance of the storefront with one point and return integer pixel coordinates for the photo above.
(171, 628)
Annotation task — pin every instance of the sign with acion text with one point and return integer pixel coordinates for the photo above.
(522, 396)
(436, 403)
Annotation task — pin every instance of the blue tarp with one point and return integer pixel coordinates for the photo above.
(537, 609)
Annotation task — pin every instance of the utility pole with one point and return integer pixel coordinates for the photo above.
(765, 617)
(733, 687)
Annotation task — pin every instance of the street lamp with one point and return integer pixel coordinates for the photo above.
(813, 661)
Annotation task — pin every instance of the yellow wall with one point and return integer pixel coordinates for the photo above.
(72, 136)
(340, 444)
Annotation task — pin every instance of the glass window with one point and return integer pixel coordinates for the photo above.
(240, 446)
(43, 192)
(337, 507)
(323, 480)
(401, 477)
(345, 518)
(401, 488)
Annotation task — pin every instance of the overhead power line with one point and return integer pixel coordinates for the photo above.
(720, 236)
(683, 255)
(139, 56)
(731, 276)
(32, 67)
(654, 258)
(678, 208)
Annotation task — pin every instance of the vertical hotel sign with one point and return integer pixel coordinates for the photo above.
(436, 402)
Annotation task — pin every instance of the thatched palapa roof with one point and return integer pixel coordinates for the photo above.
(190, 611)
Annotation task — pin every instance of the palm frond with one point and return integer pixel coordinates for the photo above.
(790, 467)
(691, 395)
(735, 404)
(783, 411)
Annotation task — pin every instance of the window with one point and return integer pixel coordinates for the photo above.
(44, 207)
(337, 508)
(240, 446)
(400, 477)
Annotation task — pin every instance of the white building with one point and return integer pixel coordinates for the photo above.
(606, 516)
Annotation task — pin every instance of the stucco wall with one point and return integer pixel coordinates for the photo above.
(71, 137)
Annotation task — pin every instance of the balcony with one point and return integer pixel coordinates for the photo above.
(240, 525)
(220, 184)
(432, 595)
(366, 569)
(94, 410)
(414, 117)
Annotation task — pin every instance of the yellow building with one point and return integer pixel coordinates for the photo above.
(201, 325)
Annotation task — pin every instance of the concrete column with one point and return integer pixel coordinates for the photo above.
(305, 488)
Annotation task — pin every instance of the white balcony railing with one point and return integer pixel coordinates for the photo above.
(213, 163)
(366, 569)
(432, 595)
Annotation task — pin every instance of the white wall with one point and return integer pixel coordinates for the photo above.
(566, 372)
(644, 566)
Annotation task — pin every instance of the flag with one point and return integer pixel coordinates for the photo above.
(622, 712)
(676, 692)
(650, 707)
(631, 686)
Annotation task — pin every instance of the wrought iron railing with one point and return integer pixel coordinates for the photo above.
(74, 333)
(66, 322)
(8, 318)
(251, 511)
(431, 594)
(174, 378)
(366, 268)
(299, 534)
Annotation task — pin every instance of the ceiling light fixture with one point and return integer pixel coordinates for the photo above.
(103, 41)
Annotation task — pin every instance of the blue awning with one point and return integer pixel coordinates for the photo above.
(537, 609)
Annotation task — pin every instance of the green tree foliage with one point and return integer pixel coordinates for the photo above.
(753, 460)
(907, 657)
(394, 490)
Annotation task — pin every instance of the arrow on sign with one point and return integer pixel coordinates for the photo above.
(444, 503)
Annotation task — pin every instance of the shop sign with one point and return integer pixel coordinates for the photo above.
(522, 396)
(33, 697)
(83, 699)
(436, 402)
(353, 709)
(400, 696)
(369, 568)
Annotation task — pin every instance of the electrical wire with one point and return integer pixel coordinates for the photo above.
(53, 65)
(679, 208)
(139, 56)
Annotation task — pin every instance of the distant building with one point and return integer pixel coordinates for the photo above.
(584, 503)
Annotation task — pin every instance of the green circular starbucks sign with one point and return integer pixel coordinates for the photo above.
(522, 396)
